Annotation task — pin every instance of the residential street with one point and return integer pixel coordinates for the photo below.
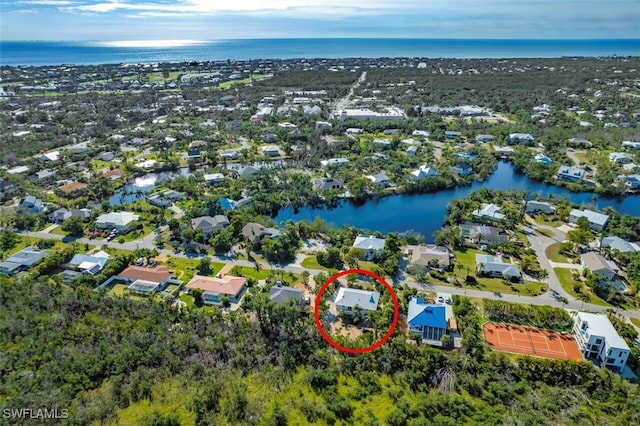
(538, 242)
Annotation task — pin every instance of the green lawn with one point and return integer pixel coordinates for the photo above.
(467, 261)
(119, 289)
(248, 271)
(188, 299)
(185, 269)
(543, 219)
(545, 232)
(312, 263)
(567, 282)
(635, 322)
(553, 253)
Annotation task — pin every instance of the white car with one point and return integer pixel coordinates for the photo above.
(440, 299)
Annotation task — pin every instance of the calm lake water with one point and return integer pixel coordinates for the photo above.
(424, 213)
(140, 186)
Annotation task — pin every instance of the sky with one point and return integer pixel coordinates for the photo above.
(193, 20)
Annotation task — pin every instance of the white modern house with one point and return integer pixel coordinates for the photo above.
(599, 341)
(620, 158)
(117, 220)
(493, 266)
(370, 245)
(597, 221)
(348, 298)
(488, 211)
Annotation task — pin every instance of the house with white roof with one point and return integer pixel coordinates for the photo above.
(270, 151)
(23, 260)
(515, 138)
(334, 162)
(424, 171)
(539, 206)
(117, 220)
(541, 158)
(631, 145)
(597, 221)
(348, 298)
(212, 178)
(90, 264)
(488, 211)
(599, 341)
(379, 179)
(209, 224)
(493, 266)
(371, 245)
(571, 173)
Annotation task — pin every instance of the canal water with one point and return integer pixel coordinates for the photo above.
(424, 213)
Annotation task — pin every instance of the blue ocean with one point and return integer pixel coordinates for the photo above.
(86, 53)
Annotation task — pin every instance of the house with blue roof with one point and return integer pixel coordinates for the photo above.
(426, 320)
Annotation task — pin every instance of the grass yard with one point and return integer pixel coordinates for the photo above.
(118, 289)
(312, 263)
(545, 232)
(553, 253)
(248, 271)
(636, 321)
(185, 269)
(543, 219)
(567, 282)
(466, 260)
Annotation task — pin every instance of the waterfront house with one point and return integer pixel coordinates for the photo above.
(541, 158)
(120, 221)
(215, 289)
(462, 169)
(493, 266)
(571, 173)
(533, 207)
(371, 245)
(209, 224)
(599, 341)
(428, 255)
(488, 211)
(379, 179)
(427, 321)
(213, 178)
(597, 264)
(270, 151)
(325, 184)
(424, 171)
(597, 221)
(23, 260)
(483, 234)
(348, 298)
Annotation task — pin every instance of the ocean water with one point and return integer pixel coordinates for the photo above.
(85, 53)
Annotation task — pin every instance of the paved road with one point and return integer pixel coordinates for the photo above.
(539, 243)
(344, 102)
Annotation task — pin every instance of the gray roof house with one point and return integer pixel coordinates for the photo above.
(495, 267)
(379, 179)
(256, 233)
(462, 169)
(348, 298)
(279, 294)
(597, 264)
(209, 224)
(597, 221)
(483, 234)
(22, 260)
(571, 173)
(325, 184)
(90, 264)
(622, 245)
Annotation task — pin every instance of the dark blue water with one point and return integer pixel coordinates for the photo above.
(425, 213)
(61, 52)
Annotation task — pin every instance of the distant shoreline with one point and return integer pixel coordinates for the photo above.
(51, 53)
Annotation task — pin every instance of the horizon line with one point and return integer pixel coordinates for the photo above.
(3, 40)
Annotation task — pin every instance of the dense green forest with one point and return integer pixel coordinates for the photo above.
(112, 360)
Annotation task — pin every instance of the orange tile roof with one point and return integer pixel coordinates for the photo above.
(72, 187)
(226, 285)
(159, 274)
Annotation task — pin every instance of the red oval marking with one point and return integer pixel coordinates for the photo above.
(376, 345)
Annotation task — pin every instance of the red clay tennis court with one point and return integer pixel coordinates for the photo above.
(531, 341)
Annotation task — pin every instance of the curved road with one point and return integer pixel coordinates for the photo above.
(539, 243)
